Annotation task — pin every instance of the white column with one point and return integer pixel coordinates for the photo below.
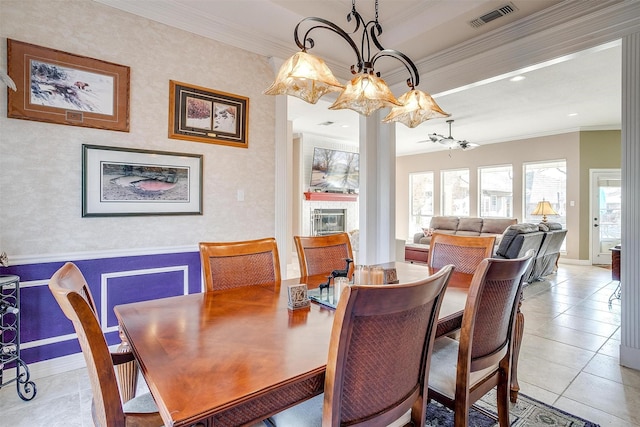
(630, 254)
(283, 177)
(377, 190)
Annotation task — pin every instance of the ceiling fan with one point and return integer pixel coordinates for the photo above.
(450, 141)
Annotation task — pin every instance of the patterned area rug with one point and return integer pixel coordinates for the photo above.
(526, 412)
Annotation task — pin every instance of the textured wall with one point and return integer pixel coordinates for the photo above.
(40, 163)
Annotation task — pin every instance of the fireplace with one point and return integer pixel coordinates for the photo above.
(328, 221)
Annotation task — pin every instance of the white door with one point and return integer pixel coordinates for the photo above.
(606, 206)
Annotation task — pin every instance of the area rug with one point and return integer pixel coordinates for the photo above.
(527, 412)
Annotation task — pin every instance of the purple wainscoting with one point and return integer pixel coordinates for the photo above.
(44, 332)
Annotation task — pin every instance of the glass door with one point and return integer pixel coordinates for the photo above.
(606, 207)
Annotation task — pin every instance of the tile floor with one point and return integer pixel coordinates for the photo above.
(569, 359)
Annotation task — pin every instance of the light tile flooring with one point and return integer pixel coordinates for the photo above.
(569, 359)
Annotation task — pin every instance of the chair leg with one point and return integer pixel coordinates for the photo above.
(461, 415)
(517, 343)
(503, 403)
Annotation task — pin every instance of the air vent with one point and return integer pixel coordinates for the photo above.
(494, 14)
(327, 123)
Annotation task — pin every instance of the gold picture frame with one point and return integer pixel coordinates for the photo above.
(206, 115)
(59, 87)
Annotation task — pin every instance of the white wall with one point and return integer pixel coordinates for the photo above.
(40, 163)
(515, 153)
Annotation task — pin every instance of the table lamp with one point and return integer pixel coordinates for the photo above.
(544, 208)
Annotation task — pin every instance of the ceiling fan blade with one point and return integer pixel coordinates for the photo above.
(465, 145)
(434, 138)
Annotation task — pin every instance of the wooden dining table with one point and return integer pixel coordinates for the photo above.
(235, 357)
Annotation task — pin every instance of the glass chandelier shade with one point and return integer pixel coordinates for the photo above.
(416, 107)
(304, 76)
(365, 94)
(307, 77)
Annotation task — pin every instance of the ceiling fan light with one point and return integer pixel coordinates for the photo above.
(417, 107)
(304, 76)
(365, 93)
(449, 142)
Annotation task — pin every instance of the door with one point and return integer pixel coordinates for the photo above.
(606, 207)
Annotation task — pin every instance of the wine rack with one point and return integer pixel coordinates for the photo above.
(10, 338)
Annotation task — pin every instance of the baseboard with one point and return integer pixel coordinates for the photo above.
(59, 365)
(630, 357)
(56, 366)
(571, 261)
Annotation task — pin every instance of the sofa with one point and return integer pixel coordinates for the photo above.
(545, 238)
(463, 226)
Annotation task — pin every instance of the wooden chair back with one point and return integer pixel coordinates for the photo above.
(66, 285)
(323, 254)
(464, 252)
(229, 265)
(380, 348)
(74, 280)
(486, 340)
(127, 367)
(490, 311)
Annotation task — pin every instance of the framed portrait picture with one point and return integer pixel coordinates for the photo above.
(63, 88)
(124, 182)
(205, 115)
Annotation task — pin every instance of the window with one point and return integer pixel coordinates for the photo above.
(421, 200)
(496, 191)
(545, 181)
(455, 192)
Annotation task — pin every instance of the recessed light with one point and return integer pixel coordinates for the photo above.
(345, 126)
(572, 114)
(517, 78)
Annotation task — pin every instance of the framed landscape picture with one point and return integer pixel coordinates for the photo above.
(205, 115)
(124, 181)
(63, 88)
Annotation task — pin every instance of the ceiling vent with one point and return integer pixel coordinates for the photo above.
(494, 14)
(327, 123)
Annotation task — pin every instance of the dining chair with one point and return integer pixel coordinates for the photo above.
(464, 252)
(229, 265)
(464, 370)
(126, 367)
(323, 254)
(106, 409)
(378, 364)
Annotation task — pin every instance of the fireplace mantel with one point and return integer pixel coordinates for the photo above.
(331, 197)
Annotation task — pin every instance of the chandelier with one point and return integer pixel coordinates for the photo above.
(308, 77)
(451, 142)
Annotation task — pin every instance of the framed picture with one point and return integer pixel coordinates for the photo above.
(124, 182)
(63, 88)
(205, 115)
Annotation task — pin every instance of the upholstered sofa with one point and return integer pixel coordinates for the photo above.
(464, 226)
(545, 238)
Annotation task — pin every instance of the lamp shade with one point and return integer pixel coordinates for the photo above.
(417, 107)
(364, 94)
(544, 208)
(304, 76)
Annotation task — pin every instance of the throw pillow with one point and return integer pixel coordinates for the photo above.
(427, 232)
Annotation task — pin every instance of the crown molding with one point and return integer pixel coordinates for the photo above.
(560, 30)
